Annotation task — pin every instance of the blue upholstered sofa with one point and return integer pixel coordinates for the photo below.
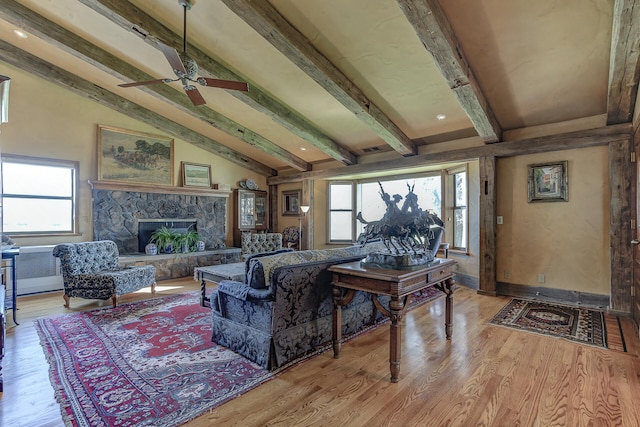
(92, 270)
(284, 310)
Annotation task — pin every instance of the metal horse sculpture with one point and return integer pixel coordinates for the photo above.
(404, 230)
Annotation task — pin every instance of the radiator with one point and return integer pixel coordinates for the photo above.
(38, 270)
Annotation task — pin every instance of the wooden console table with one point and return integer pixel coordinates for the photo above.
(399, 285)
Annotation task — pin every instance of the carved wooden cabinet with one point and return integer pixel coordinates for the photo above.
(251, 213)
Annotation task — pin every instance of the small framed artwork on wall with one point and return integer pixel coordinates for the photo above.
(196, 175)
(548, 182)
(290, 202)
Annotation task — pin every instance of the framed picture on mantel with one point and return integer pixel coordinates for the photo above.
(136, 157)
(196, 175)
(548, 182)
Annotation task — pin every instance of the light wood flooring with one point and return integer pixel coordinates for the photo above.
(486, 376)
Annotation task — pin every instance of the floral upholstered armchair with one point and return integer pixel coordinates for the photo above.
(92, 270)
(291, 237)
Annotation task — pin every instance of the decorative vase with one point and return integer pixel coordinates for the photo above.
(151, 249)
(200, 245)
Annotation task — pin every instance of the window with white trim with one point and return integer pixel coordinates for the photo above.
(460, 229)
(341, 213)
(38, 195)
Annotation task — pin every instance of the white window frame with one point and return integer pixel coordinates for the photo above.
(452, 208)
(330, 209)
(73, 166)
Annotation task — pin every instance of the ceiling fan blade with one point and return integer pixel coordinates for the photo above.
(148, 82)
(172, 56)
(225, 84)
(195, 96)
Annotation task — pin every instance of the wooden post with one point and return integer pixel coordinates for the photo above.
(487, 224)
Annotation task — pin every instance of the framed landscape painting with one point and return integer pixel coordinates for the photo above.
(136, 157)
(548, 182)
(196, 175)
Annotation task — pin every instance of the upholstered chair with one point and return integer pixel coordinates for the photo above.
(257, 243)
(92, 270)
(291, 237)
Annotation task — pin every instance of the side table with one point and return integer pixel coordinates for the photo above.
(12, 254)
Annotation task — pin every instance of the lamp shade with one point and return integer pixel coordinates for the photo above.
(304, 209)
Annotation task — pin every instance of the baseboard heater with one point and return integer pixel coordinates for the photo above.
(38, 270)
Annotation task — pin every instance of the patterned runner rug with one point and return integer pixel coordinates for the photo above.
(571, 323)
(148, 363)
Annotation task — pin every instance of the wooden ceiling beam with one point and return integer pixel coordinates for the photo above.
(434, 31)
(624, 61)
(268, 22)
(53, 74)
(544, 144)
(24, 18)
(131, 18)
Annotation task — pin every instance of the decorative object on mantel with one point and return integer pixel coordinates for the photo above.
(131, 156)
(411, 235)
(196, 175)
(548, 182)
(243, 184)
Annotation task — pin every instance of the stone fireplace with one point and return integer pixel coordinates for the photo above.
(126, 216)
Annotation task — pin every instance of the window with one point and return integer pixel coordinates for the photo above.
(341, 212)
(39, 195)
(459, 207)
(343, 226)
(370, 203)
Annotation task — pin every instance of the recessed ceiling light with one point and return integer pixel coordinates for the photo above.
(441, 117)
(20, 34)
(303, 148)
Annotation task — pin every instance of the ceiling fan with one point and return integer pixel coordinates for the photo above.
(186, 69)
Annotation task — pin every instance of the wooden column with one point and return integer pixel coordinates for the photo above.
(487, 225)
(306, 237)
(621, 176)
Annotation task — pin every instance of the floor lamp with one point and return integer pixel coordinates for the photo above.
(303, 213)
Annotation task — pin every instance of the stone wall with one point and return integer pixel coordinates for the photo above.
(116, 215)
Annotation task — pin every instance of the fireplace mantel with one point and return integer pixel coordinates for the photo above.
(147, 188)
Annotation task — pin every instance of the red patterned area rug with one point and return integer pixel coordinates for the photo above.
(148, 363)
(571, 323)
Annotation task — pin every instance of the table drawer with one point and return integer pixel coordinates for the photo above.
(440, 274)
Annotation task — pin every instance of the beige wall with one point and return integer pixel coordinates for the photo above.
(568, 242)
(48, 121)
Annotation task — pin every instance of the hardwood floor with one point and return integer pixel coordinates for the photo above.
(486, 376)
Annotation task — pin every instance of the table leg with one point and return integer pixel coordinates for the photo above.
(204, 301)
(337, 322)
(396, 309)
(14, 283)
(448, 325)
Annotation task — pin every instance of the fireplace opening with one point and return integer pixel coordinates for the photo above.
(146, 227)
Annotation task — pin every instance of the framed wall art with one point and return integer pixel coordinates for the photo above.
(136, 157)
(290, 202)
(548, 182)
(196, 175)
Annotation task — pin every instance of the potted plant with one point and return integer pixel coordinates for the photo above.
(187, 242)
(165, 239)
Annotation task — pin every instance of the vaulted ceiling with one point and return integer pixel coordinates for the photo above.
(335, 81)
